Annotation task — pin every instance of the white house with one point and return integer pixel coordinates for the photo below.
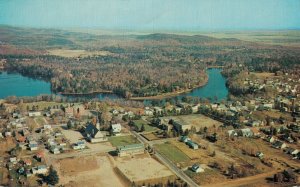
(47, 127)
(33, 145)
(197, 168)
(42, 169)
(34, 114)
(148, 112)
(79, 145)
(116, 128)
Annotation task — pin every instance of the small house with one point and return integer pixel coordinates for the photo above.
(55, 150)
(192, 144)
(184, 139)
(33, 145)
(232, 133)
(279, 145)
(27, 162)
(197, 168)
(116, 128)
(260, 155)
(247, 132)
(34, 114)
(13, 160)
(79, 145)
(270, 139)
(41, 169)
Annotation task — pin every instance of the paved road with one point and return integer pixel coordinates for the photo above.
(176, 170)
(167, 162)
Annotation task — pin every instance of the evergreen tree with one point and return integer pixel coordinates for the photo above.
(52, 178)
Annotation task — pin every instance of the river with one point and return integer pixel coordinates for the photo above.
(14, 84)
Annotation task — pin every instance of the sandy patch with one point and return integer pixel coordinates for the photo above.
(96, 171)
(142, 169)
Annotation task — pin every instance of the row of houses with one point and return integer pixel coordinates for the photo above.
(26, 166)
(246, 132)
(277, 144)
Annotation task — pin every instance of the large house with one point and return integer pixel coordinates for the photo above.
(181, 126)
(93, 134)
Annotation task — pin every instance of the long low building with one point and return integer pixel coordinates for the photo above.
(129, 150)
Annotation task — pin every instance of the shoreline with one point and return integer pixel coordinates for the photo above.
(170, 94)
(156, 97)
(82, 94)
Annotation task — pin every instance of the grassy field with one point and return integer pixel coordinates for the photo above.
(122, 140)
(148, 128)
(172, 153)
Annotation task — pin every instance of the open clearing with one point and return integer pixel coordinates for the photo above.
(88, 171)
(285, 38)
(77, 53)
(143, 169)
(196, 120)
(122, 140)
(73, 136)
(148, 128)
(264, 75)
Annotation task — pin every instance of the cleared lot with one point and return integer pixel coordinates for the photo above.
(196, 120)
(95, 171)
(143, 169)
(72, 135)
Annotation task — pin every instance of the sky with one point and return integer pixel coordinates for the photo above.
(185, 15)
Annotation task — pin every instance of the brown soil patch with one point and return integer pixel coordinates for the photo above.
(95, 171)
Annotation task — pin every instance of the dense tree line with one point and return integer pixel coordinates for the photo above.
(139, 66)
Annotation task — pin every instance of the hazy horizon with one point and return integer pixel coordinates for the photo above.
(153, 16)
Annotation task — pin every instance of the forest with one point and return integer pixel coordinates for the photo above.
(132, 65)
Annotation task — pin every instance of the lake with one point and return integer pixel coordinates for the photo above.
(14, 84)
(214, 89)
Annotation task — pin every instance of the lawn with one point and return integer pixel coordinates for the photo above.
(122, 140)
(148, 128)
(172, 152)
